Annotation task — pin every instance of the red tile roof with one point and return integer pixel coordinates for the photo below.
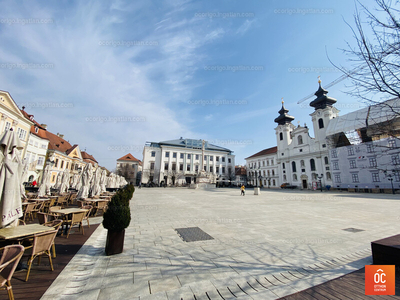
(88, 158)
(57, 143)
(41, 131)
(129, 157)
(240, 171)
(265, 152)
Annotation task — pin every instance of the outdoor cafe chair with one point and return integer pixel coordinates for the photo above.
(49, 204)
(56, 224)
(62, 201)
(11, 255)
(37, 208)
(29, 211)
(102, 205)
(76, 218)
(89, 210)
(42, 243)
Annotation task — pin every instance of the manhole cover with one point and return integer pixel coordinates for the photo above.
(193, 234)
(354, 230)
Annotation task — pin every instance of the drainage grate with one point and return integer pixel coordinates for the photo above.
(193, 234)
(353, 230)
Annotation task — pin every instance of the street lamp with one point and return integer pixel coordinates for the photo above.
(390, 178)
(259, 178)
(320, 180)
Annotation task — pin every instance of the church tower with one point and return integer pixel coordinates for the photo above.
(284, 129)
(324, 112)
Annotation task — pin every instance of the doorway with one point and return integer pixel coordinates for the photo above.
(304, 182)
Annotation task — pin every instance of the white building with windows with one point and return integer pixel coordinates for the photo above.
(179, 162)
(36, 149)
(300, 159)
(263, 169)
(365, 148)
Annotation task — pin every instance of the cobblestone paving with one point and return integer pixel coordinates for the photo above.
(264, 247)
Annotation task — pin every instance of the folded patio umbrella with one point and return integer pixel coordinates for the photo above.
(44, 188)
(103, 181)
(11, 169)
(86, 179)
(64, 181)
(95, 185)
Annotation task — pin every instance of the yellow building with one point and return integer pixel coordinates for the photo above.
(12, 117)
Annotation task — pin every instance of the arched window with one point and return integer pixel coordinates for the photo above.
(273, 172)
(268, 172)
(294, 166)
(328, 176)
(321, 123)
(281, 136)
(312, 164)
(294, 177)
(283, 165)
(300, 140)
(302, 163)
(326, 160)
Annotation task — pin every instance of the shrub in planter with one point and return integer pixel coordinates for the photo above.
(116, 218)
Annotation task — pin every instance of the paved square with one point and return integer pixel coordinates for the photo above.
(264, 246)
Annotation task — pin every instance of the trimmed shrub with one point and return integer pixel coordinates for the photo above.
(117, 217)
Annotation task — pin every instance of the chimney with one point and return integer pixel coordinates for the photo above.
(60, 135)
(44, 126)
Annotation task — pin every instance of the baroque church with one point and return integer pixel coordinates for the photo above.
(298, 159)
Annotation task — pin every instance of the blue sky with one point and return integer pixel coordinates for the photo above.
(115, 74)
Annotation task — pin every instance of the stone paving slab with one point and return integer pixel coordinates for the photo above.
(264, 247)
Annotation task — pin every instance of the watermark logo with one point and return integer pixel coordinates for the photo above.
(217, 102)
(231, 68)
(103, 119)
(224, 15)
(380, 280)
(14, 21)
(26, 66)
(304, 11)
(122, 43)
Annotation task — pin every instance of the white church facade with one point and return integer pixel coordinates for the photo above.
(300, 160)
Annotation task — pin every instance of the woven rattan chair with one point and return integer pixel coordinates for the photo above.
(29, 211)
(11, 255)
(76, 218)
(42, 243)
(56, 225)
(86, 217)
(101, 205)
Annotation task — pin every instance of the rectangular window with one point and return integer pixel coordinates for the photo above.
(56, 165)
(27, 155)
(67, 165)
(375, 177)
(152, 166)
(397, 176)
(335, 165)
(392, 144)
(166, 166)
(272, 162)
(36, 144)
(223, 159)
(62, 164)
(353, 164)
(181, 156)
(350, 151)
(189, 156)
(205, 157)
(264, 163)
(354, 177)
(217, 158)
(44, 146)
(223, 170)
(217, 169)
(8, 126)
(211, 158)
(205, 168)
(395, 159)
(166, 154)
(370, 149)
(337, 178)
(180, 167)
(174, 154)
(22, 134)
(188, 168)
(372, 162)
(196, 168)
(40, 161)
(229, 160)
(173, 167)
(211, 169)
(30, 142)
(334, 153)
(153, 153)
(197, 157)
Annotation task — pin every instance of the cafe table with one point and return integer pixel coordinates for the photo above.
(23, 231)
(68, 211)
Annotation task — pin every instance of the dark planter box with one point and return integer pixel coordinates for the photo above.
(115, 242)
(386, 251)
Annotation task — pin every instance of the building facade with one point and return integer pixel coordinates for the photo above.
(179, 162)
(365, 149)
(129, 167)
(262, 169)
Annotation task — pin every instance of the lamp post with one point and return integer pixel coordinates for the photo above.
(320, 180)
(259, 178)
(390, 178)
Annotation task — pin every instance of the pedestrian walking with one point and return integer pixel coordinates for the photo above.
(242, 190)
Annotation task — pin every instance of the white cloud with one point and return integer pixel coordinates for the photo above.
(245, 27)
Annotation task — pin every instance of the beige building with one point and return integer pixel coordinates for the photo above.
(129, 167)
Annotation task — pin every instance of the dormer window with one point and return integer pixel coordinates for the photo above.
(57, 145)
(36, 129)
